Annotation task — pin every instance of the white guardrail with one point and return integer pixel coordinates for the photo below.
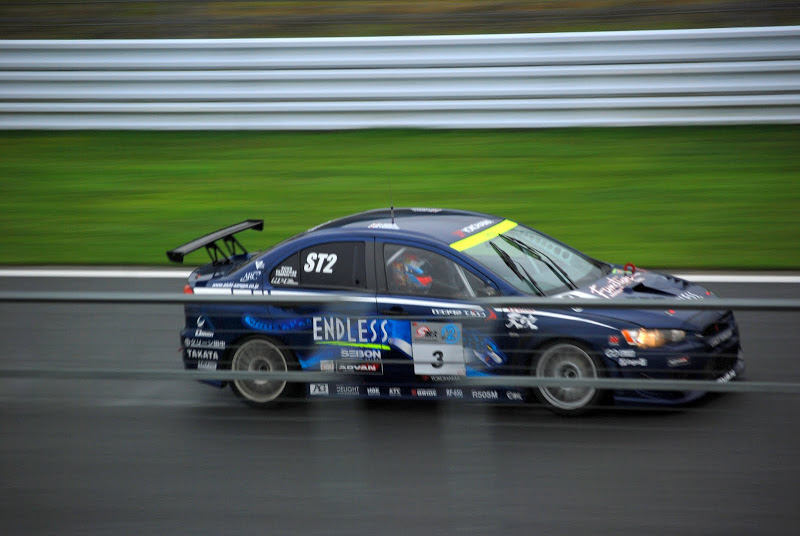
(669, 77)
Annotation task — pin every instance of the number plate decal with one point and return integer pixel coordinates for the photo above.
(437, 349)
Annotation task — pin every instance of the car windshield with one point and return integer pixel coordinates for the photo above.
(535, 263)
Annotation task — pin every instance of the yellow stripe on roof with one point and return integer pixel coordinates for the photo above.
(483, 236)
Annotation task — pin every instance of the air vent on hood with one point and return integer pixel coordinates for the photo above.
(644, 289)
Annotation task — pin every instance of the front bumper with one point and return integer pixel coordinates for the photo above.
(677, 398)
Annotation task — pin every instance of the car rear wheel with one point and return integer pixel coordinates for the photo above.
(567, 360)
(259, 354)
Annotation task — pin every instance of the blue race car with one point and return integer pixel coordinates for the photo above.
(410, 327)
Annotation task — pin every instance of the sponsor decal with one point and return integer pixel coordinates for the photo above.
(394, 391)
(204, 327)
(514, 395)
(472, 313)
(286, 281)
(613, 352)
(327, 365)
(423, 392)
(238, 286)
(521, 321)
(318, 389)
(625, 362)
(521, 310)
(285, 271)
(192, 353)
(446, 378)
(728, 376)
(425, 332)
(365, 354)
(379, 225)
(613, 340)
(349, 390)
(284, 275)
(204, 343)
(454, 393)
(250, 276)
(686, 295)
(246, 286)
(485, 395)
(353, 330)
(678, 361)
(206, 365)
(259, 265)
(273, 326)
(359, 367)
(374, 391)
(615, 284)
(721, 337)
(436, 332)
(321, 263)
(429, 210)
(471, 228)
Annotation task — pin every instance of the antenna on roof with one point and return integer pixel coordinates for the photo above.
(391, 199)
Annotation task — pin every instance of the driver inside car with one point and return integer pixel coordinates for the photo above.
(410, 274)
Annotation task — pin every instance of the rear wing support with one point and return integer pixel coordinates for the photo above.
(210, 242)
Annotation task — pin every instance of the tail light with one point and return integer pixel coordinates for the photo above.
(187, 289)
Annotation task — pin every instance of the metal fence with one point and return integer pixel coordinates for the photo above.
(670, 77)
(784, 305)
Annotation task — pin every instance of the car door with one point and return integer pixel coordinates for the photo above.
(438, 335)
(335, 335)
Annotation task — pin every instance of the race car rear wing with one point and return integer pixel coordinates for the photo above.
(218, 256)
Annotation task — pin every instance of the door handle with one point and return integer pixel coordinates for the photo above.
(393, 310)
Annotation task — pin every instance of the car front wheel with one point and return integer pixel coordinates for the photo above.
(567, 360)
(259, 354)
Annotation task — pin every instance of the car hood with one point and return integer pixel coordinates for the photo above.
(648, 285)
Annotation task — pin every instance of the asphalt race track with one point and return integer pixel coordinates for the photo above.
(139, 457)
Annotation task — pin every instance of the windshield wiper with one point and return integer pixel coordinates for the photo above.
(512, 265)
(541, 256)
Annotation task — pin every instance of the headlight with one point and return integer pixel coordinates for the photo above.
(652, 338)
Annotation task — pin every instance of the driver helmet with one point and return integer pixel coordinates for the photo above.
(411, 272)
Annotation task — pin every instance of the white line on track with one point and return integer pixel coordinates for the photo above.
(739, 278)
(698, 277)
(98, 274)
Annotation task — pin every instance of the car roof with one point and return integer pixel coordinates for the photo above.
(440, 225)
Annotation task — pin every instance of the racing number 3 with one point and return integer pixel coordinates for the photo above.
(314, 262)
(439, 359)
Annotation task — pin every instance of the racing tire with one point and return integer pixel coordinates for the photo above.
(260, 353)
(568, 359)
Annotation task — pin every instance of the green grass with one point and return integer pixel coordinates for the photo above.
(710, 197)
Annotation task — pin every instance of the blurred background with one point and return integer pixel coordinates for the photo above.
(172, 19)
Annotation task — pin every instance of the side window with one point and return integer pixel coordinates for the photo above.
(419, 272)
(337, 265)
(481, 288)
(286, 273)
